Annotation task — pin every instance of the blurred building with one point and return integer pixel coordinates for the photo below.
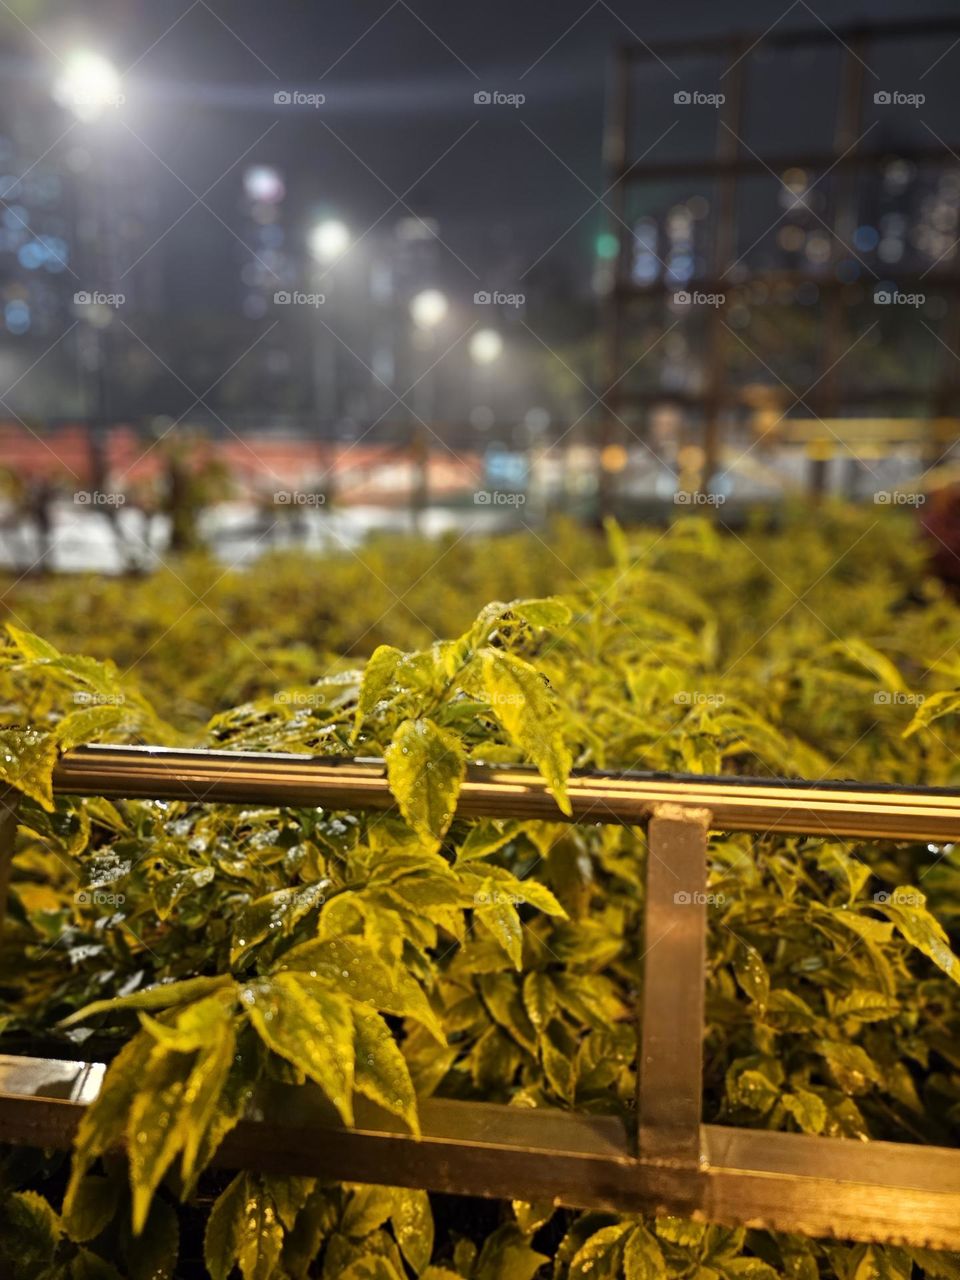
(76, 211)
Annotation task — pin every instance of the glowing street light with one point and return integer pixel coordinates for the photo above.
(486, 346)
(88, 84)
(428, 308)
(263, 184)
(328, 240)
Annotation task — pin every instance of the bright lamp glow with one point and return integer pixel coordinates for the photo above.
(88, 84)
(428, 308)
(328, 240)
(486, 345)
(263, 184)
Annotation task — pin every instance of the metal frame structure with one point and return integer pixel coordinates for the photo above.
(726, 167)
(669, 1162)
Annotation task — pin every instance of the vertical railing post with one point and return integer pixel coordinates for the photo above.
(670, 1043)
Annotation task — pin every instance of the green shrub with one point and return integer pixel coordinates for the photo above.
(211, 942)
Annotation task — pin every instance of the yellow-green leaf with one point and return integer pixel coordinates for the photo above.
(92, 1205)
(378, 675)
(243, 1228)
(498, 912)
(807, 1108)
(160, 996)
(155, 1126)
(274, 915)
(540, 998)
(642, 1256)
(412, 1221)
(103, 1123)
(27, 758)
(549, 614)
(301, 1019)
(354, 966)
(221, 1241)
(506, 1255)
(425, 767)
(906, 908)
(381, 1071)
(523, 704)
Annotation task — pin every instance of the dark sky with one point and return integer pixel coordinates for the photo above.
(399, 78)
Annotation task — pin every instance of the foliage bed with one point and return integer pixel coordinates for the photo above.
(290, 614)
(209, 949)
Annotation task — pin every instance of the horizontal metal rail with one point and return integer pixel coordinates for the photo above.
(736, 804)
(669, 1162)
(783, 1181)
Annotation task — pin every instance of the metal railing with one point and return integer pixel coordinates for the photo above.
(668, 1161)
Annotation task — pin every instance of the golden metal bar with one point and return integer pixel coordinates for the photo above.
(878, 1191)
(670, 1024)
(737, 804)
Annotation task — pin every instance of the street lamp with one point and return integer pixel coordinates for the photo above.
(328, 240)
(486, 346)
(87, 85)
(428, 308)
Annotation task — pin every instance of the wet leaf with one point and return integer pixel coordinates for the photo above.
(425, 767)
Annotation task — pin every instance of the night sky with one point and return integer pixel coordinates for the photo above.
(399, 81)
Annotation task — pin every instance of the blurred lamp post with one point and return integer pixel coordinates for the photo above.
(327, 242)
(87, 85)
(486, 346)
(428, 309)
